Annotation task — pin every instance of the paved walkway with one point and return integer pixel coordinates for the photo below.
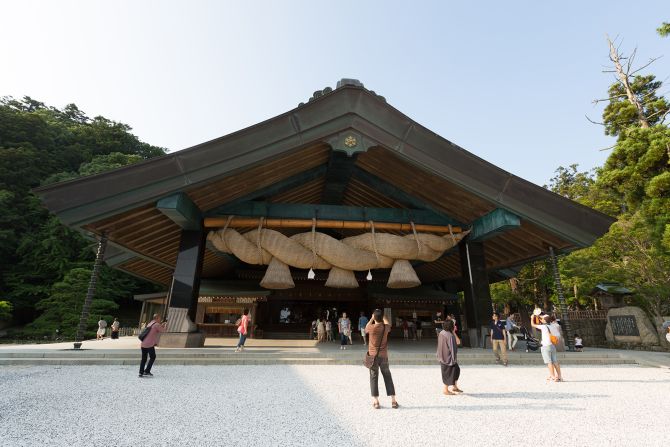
(329, 405)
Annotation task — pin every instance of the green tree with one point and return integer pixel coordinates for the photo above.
(38, 145)
(5, 310)
(664, 29)
(62, 308)
(621, 114)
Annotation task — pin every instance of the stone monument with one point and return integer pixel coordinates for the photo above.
(630, 324)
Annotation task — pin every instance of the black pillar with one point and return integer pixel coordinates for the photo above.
(186, 278)
(478, 305)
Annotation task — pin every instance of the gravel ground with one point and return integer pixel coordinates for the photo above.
(329, 405)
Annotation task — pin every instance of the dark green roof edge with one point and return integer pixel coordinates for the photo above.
(348, 107)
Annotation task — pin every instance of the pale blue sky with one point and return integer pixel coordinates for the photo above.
(509, 81)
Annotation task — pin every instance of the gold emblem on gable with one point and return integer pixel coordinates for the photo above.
(350, 141)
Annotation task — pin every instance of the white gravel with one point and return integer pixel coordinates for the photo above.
(330, 405)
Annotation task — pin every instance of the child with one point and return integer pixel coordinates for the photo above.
(578, 343)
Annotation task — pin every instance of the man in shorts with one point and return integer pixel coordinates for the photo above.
(548, 347)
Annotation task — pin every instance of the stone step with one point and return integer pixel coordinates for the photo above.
(483, 359)
(287, 335)
(228, 352)
(243, 359)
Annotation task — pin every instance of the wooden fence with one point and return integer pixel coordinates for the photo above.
(123, 331)
(587, 314)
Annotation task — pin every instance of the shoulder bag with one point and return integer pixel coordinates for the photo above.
(370, 360)
(145, 332)
(552, 337)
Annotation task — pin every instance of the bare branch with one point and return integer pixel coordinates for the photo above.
(662, 118)
(594, 122)
(651, 61)
(596, 101)
(607, 148)
(624, 78)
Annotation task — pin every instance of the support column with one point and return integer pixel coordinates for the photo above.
(183, 299)
(478, 305)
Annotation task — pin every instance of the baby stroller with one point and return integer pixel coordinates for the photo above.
(532, 343)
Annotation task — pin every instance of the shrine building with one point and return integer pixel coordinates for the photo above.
(343, 204)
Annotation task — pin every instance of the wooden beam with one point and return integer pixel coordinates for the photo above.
(181, 210)
(340, 168)
(276, 188)
(246, 222)
(334, 212)
(494, 223)
(390, 190)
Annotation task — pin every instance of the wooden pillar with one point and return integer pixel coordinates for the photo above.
(183, 300)
(253, 311)
(478, 305)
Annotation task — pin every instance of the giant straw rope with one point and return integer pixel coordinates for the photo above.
(342, 257)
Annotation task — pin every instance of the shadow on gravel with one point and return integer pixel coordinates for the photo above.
(535, 396)
(525, 407)
(619, 381)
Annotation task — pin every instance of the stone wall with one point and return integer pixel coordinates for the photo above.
(592, 331)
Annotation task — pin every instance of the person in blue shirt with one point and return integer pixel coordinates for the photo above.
(362, 322)
(498, 338)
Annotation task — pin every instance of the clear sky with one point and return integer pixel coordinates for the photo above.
(509, 81)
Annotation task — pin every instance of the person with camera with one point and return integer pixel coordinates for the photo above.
(447, 354)
(378, 329)
(149, 343)
(551, 335)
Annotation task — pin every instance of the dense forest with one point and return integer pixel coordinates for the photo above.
(633, 185)
(44, 266)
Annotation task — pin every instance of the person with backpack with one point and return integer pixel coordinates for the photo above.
(243, 330)
(149, 337)
(551, 335)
